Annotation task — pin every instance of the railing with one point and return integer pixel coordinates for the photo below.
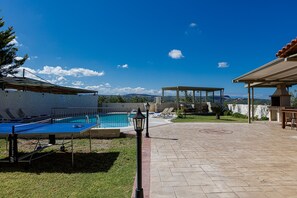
(104, 117)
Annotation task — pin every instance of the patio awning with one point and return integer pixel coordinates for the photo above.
(278, 71)
(29, 84)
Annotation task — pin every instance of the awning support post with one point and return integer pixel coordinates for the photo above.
(253, 110)
(249, 103)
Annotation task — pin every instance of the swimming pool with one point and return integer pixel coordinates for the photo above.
(110, 120)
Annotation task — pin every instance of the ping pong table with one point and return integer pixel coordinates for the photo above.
(39, 129)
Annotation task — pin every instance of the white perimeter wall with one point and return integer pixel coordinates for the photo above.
(34, 103)
(125, 106)
(259, 110)
(154, 107)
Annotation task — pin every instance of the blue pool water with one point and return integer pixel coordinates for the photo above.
(105, 120)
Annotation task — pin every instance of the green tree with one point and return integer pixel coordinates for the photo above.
(116, 99)
(120, 99)
(293, 98)
(102, 99)
(8, 58)
(137, 99)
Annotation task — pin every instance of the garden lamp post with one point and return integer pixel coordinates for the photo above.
(138, 122)
(147, 107)
(182, 107)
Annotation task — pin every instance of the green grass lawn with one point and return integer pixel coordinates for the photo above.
(108, 171)
(202, 118)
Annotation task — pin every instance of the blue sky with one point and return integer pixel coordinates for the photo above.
(119, 47)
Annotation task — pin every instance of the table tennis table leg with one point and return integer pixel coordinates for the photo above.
(10, 148)
(6, 143)
(90, 141)
(72, 154)
(13, 148)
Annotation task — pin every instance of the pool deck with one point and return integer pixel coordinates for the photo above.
(192, 160)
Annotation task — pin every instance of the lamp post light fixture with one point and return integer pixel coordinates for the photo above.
(138, 123)
(147, 107)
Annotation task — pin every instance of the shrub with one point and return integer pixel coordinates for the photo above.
(180, 113)
(228, 113)
(218, 109)
(238, 115)
(264, 118)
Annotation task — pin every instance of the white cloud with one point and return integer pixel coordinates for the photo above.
(108, 90)
(223, 64)
(76, 72)
(192, 25)
(60, 80)
(15, 42)
(18, 58)
(29, 74)
(33, 71)
(32, 57)
(56, 75)
(77, 83)
(125, 66)
(192, 28)
(175, 54)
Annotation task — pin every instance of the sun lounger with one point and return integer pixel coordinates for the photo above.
(12, 117)
(2, 119)
(158, 115)
(164, 112)
(169, 112)
(21, 114)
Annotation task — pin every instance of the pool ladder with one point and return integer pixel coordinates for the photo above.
(97, 119)
(87, 119)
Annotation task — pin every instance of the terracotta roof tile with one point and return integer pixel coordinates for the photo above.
(289, 49)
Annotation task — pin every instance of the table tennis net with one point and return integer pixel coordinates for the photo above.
(29, 126)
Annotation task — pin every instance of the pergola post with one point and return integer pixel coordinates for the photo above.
(249, 103)
(221, 95)
(194, 98)
(253, 116)
(177, 98)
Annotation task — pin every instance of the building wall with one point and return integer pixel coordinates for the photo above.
(33, 103)
(259, 110)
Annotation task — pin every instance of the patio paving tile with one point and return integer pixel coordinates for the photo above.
(190, 160)
(221, 195)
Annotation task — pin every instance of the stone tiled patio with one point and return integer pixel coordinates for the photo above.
(223, 160)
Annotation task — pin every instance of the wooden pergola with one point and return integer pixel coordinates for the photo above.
(193, 90)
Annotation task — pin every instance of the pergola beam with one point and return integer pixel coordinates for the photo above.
(177, 89)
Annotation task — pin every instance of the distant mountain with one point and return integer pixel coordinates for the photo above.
(139, 95)
(151, 98)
